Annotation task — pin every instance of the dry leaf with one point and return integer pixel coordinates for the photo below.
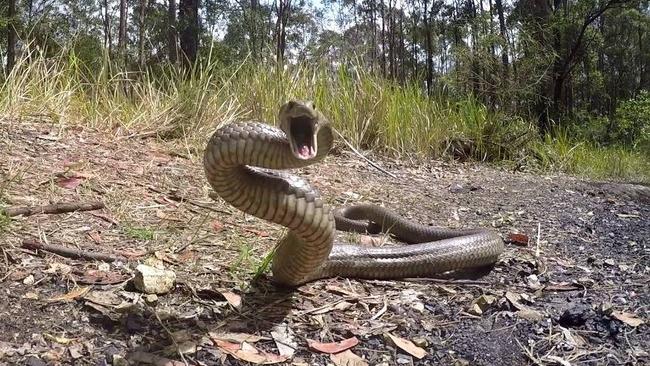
(518, 239)
(94, 235)
(59, 340)
(262, 234)
(407, 346)
(69, 182)
(628, 318)
(284, 340)
(247, 352)
(72, 295)
(217, 226)
(334, 347)
(347, 358)
(514, 299)
(233, 299)
(371, 241)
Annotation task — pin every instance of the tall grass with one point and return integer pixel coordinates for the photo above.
(371, 112)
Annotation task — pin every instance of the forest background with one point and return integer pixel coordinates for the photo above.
(559, 85)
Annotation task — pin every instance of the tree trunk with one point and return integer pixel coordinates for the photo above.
(253, 30)
(121, 38)
(107, 30)
(283, 11)
(143, 9)
(172, 35)
(502, 32)
(11, 35)
(189, 30)
(383, 39)
(416, 22)
(427, 32)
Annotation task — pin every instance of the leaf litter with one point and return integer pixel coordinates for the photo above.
(568, 288)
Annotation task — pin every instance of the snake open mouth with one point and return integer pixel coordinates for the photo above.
(302, 137)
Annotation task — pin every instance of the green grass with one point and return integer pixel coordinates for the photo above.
(372, 113)
(139, 233)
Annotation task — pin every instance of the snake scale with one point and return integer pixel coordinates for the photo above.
(243, 163)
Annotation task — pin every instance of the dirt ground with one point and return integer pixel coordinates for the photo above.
(572, 289)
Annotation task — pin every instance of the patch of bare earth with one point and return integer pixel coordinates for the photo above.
(573, 289)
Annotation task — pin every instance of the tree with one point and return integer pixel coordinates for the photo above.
(283, 10)
(172, 33)
(121, 40)
(188, 19)
(11, 35)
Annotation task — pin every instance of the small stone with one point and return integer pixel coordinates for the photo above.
(118, 360)
(475, 309)
(404, 359)
(151, 298)
(530, 314)
(420, 342)
(151, 280)
(485, 301)
(29, 280)
(610, 262)
(458, 188)
(533, 282)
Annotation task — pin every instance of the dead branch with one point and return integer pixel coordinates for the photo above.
(174, 196)
(363, 157)
(56, 208)
(70, 252)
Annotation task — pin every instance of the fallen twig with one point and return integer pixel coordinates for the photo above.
(363, 157)
(70, 252)
(56, 208)
(175, 197)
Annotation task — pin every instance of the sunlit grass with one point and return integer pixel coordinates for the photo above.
(371, 112)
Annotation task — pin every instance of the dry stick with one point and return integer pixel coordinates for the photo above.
(176, 198)
(70, 252)
(56, 208)
(363, 157)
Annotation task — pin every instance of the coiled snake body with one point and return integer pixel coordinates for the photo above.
(241, 163)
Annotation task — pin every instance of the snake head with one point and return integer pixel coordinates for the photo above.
(300, 121)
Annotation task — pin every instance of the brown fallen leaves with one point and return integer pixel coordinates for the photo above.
(334, 347)
(407, 346)
(245, 351)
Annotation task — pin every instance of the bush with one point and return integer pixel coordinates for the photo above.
(633, 122)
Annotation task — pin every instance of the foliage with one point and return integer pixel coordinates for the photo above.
(473, 80)
(632, 125)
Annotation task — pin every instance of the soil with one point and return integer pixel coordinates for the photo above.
(572, 288)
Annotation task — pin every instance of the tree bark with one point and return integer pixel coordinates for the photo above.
(107, 30)
(383, 38)
(502, 32)
(143, 9)
(172, 35)
(429, 56)
(121, 38)
(11, 35)
(283, 11)
(189, 30)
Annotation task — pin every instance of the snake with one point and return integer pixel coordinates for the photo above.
(246, 163)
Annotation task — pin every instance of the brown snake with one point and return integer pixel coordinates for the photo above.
(232, 161)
